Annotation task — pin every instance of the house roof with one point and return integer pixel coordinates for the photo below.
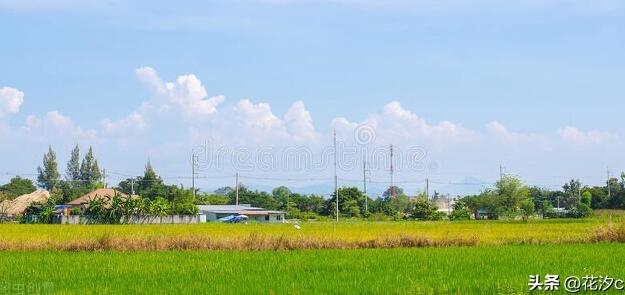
(103, 193)
(19, 204)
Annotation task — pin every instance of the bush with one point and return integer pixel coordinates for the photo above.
(304, 216)
(378, 217)
(437, 215)
(75, 211)
(460, 214)
(423, 210)
(580, 211)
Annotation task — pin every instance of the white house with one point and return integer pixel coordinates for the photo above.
(445, 204)
(214, 212)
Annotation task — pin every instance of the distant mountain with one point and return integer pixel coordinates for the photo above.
(465, 186)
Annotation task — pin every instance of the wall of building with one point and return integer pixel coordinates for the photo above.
(273, 218)
(169, 219)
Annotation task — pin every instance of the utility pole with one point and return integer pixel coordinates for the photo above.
(132, 186)
(193, 173)
(364, 184)
(237, 189)
(104, 176)
(392, 174)
(579, 193)
(609, 189)
(500, 172)
(427, 188)
(336, 180)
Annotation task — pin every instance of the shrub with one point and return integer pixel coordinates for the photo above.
(460, 214)
(75, 211)
(378, 217)
(437, 215)
(423, 210)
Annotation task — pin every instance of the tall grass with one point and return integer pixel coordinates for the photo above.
(324, 235)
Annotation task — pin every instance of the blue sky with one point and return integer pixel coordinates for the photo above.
(535, 85)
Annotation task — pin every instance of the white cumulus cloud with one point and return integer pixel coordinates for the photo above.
(503, 134)
(299, 122)
(11, 100)
(187, 93)
(53, 125)
(397, 124)
(574, 135)
(132, 124)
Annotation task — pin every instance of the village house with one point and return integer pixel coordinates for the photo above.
(105, 194)
(215, 212)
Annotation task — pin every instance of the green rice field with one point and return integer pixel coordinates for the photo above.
(456, 270)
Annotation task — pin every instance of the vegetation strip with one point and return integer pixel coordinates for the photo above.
(357, 235)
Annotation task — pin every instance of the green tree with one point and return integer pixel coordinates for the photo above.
(282, 194)
(350, 208)
(254, 198)
(212, 199)
(150, 179)
(586, 198)
(48, 176)
(393, 191)
(382, 206)
(572, 193)
(312, 203)
(460, 211)
(17, 186)
(223, 191)
(546, 208)
(73, 166)
(511, 193)
(150, 185)
(351, 202)
(90, 170)
(159, 207)
(183, 203)
(528, 208)
(423, 209)
(599, 197)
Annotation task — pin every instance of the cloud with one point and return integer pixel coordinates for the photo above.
(11, 100)
(132, 124)
(257, 116)
(501, 132)
(299, 122)
(574, 135)
(258, 121)
(54, 125)
(245, 119)
(397, 124)
(186, 93)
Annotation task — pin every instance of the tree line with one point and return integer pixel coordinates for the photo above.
(509, 198)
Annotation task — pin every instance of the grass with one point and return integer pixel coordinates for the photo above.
(456, 270)
(285, 236)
